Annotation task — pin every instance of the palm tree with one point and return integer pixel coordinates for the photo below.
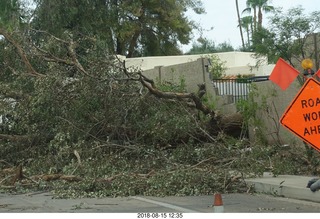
(258, 6)
(239, 21)
(263, 6)
(246, 23)
(252, 4)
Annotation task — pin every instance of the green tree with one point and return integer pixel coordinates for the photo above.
(204, 46)
(130, 28)
(217, 67)
(224, 47)
(258, 6)
(10, 13)
(288, 36)
(246, 23)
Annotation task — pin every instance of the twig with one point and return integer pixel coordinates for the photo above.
(7, 187)
(75, 152)
(201, 162)
(115, 145)
(31, 70)
(233, 179)
(31, 179)
(6, 178)
(54, 37)
(79, 128)
(3, 161)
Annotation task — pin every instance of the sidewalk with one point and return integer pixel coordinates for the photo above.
(288, 186)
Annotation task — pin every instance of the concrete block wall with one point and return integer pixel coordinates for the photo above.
(237, 59)
(194, 73)
(236, 62)
(245, 70)
(273, 102)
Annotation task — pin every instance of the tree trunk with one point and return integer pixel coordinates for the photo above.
(259, 17)
(240, 26)
(254, 19)
(231, 125)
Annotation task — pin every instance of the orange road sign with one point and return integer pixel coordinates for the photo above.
(302, 117)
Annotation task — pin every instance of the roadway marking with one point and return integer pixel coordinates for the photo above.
(166, 205)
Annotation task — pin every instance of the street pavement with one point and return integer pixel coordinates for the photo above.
(281, 194)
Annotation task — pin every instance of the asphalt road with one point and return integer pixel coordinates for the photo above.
(232, 203)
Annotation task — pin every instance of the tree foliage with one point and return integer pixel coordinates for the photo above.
(130, 28)
(62, 89)
(10, 13)
(258, 6)
(204, 46)
(246, 24)
(288, 36)
(217, 67)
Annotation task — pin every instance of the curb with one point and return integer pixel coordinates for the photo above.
(284, 186)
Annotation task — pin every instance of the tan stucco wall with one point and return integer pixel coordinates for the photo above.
(236, 62)
(193, 72)
(273, 103)
(244, 70)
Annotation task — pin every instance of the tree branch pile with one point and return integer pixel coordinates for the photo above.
(229, 124)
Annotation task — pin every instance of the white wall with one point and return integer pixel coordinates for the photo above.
(236, 62)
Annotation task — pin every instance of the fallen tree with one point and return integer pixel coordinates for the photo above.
(230, 124)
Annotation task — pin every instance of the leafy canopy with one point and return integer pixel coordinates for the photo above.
(288, 35)
(130, 28)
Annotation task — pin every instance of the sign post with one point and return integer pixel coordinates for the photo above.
(302, 117)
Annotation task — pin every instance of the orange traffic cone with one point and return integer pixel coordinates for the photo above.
(218, 205)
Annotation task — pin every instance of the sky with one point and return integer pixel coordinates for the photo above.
(220, 21)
